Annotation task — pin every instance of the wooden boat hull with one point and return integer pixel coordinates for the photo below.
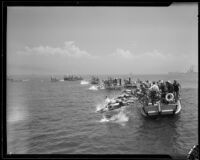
(161, 109)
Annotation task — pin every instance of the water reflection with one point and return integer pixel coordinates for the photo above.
(16, 132)
(154, 133)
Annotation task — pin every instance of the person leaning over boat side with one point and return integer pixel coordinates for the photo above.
(153, 92)
(177, 88)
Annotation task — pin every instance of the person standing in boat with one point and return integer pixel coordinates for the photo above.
(170, 87)
(144, 91)
(148, 85)
(177, 88)
(154, 90)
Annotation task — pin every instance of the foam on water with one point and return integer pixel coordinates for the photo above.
(83, 82)
(99, 107)
(104, 119)
(95, 88)
(121, 118)
(103, 104)
(17, 114)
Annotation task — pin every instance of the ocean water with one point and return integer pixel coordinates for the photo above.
(46, 117)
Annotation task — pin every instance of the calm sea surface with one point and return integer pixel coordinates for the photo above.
(60, 118)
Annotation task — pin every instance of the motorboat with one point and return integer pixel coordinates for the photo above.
(94, 80)
(161, 109)
(72, 78)
(118, 102)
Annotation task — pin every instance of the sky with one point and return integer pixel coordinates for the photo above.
(102, 40)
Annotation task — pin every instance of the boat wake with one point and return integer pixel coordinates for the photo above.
(17, 114)
(120, 117)
(99, 107)
(83, 82)
(102, 105)
(93, 88)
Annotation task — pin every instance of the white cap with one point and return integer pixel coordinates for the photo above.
(169, 81)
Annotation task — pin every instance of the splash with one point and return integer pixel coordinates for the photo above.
(99, 107)
(103, 105)
(18, 113)
(104, 119)
(83, 82)
(121, 118)
(93, 88)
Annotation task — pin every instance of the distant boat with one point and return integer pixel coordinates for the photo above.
(53, 79)
(10, 79)
(15, 80)
(94, 80)
(129, 84)
(113, 84)
(72, 78)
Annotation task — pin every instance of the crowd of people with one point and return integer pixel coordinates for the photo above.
(157, 91)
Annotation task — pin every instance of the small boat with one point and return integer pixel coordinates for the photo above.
(72, 78)
(119, 102)
(129, 84)
(113, 84)
(53, 79)
(161, 109)
(94, 80)
(112, 106)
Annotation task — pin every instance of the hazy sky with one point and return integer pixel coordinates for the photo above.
(102, 40)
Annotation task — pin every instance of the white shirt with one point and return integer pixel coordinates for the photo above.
(154, 87)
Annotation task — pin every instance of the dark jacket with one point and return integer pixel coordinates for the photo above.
(176, 87)
(170, 88)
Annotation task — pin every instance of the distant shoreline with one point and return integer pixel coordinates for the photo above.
(169, 73)
(84, 74)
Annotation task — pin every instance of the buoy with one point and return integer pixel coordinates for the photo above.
(169, 97)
